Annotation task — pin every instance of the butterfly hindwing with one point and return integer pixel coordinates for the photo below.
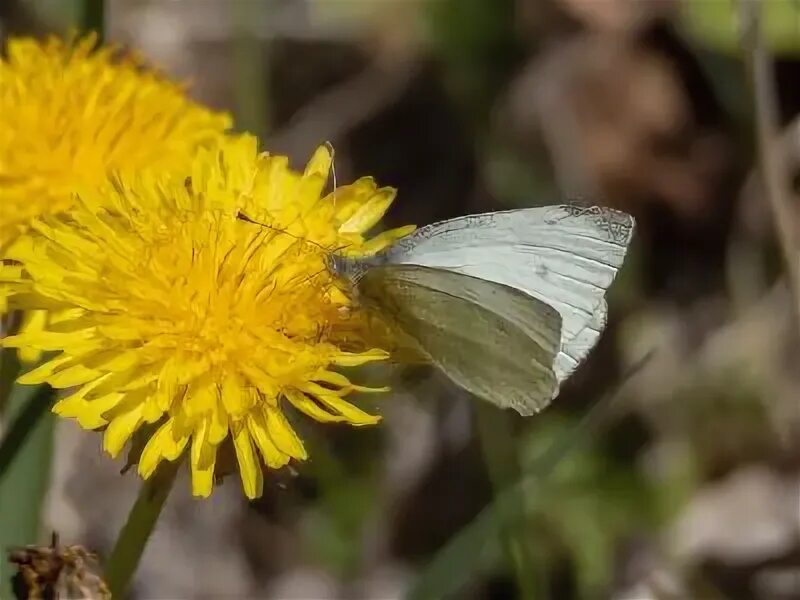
(492, 340)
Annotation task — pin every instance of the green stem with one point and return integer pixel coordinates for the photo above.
(251, 85)
(9, 359)
(131, 542)
(93, 17)
(495, 428)
(35, 404)
(9, 371)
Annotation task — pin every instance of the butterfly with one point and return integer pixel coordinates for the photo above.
(506, 304)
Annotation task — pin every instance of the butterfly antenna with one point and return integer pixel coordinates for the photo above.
(243, 217)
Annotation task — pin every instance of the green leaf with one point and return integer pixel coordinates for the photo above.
(25, 460)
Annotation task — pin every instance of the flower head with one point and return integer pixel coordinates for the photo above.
(71, 113)
(175, 312)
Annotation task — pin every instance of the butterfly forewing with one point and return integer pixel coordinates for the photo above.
(566, 256)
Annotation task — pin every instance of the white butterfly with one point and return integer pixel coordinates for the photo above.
(506, 304)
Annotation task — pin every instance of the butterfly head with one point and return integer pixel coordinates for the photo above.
(345, 267)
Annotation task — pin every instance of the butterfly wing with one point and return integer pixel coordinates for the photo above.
(566, 256)
(492, 340)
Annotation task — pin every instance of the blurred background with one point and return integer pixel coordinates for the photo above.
(691, 487)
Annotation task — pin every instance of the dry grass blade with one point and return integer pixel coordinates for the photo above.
(772, 160)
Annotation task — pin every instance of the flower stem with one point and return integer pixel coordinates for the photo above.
(93, 17)
(9, 360)
(9, 371)
(129, 547)
(251, 85)
(29, 406)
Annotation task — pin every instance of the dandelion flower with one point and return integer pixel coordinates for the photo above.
(178, 317)
(71, 113)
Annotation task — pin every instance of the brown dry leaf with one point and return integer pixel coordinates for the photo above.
(617, 123)
(57, 571)
(617, 15)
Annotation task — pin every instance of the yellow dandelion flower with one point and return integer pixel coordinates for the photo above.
(175, 312)
(70, 113)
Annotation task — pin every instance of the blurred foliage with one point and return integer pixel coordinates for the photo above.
(500, 448)
(716, 23)
(60, 14)
(347, 497)
(334, 528)
(724, 418)
(476, 42)
(589, 505)
(511, 179)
